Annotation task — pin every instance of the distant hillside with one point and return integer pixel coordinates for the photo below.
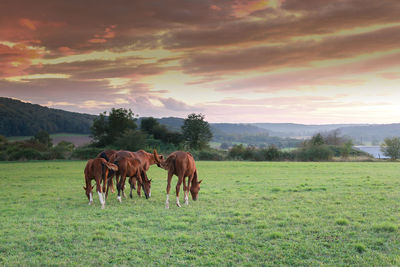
(24, 119)
(374, 133)
(298, 130)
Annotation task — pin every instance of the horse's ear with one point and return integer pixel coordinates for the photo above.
(200, 181)
(92, 187)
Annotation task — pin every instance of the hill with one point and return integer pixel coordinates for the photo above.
(18, 118)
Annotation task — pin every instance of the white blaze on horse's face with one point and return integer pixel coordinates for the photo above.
(90, 198)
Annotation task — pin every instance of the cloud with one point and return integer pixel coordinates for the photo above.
(175, 105)
(16, 58)
(297, 54)
(355, 73)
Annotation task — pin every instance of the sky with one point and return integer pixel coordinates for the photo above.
(282, 61)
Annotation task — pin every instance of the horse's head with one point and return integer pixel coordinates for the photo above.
(147, 187)
(195, 188)
(88, 190)
(159, 159)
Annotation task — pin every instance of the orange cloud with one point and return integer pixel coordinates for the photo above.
(244, 7)
(102, 38)
(30, 24)
(14, 60)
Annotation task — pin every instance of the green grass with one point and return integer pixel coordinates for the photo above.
(248, 213)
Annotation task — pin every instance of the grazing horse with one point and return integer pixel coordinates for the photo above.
(106, 154)
(130, 167)
(182, 165)
(146, 160)
(97, 169)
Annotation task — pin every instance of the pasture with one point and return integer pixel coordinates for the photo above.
(248, 213)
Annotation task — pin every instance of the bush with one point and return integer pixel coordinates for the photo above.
(210, 155)
(131, 140)
(86, 152)
(25, 154)
(314, 153)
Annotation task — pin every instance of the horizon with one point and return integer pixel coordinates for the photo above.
(277, 61)
(139, 117)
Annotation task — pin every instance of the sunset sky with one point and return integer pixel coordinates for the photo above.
(300, 61)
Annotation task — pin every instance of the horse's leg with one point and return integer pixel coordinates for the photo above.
(99, 192)
(186, 191)
(89, 185)
(134, 183)
(109, 183)
(104, 186)
(132, 186)
(120, 186)
(117, 182)
(139, 186)
(168, 189)
(190, 179)
(178, 188)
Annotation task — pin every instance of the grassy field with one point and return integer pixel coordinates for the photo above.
(310, 214)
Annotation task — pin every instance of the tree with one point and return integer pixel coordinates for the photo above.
(196, 131)
(160, 132)
(317, 140)
(148, 124)
(106, 130)
(131, 140)
(43, 137)
(99, 129)
(391, 147)
(346, 148)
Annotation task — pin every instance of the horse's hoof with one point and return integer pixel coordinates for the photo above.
(130, 195)
(179, 205)
(119, 199)
(186, 203)
(167, 206)
(102, 207)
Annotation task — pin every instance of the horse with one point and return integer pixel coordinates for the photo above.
(106, 154)
(146, 160)
(181, 164)
(130, 167)
(97, 169)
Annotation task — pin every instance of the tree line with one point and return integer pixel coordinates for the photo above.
(24, 119)
(118, 129)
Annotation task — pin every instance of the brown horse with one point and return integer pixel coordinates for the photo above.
(97, 169)
(146, 160)
(106, 154)
(130, 167)
(182, 165)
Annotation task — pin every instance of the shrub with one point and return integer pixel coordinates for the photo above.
(210, 155)
(314, 153)
(86, 152)
(25, 154)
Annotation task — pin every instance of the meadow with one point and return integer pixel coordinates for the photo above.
(248, 213)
